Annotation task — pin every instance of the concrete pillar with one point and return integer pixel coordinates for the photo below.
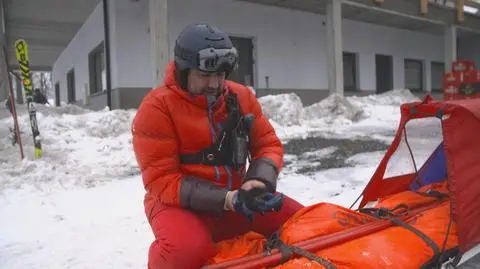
(159, 39)
(334, 46)
(450, 46)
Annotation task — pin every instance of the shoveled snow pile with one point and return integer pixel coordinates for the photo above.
(283, 109)
(333, 107)
(395, 97)
(70, 137)
(336, 115)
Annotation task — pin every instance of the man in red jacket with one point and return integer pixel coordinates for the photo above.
(192, 136)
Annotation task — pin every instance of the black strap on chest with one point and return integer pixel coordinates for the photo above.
(221, 152)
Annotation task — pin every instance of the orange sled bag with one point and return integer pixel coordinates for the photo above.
(323, 219)
(412, 246)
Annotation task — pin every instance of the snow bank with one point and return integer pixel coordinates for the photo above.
(337, 116)
(394, 97)
(333, 106)
(81, 147)
(284, 109)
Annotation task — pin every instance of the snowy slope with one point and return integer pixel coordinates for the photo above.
(80, 206)
(81, 147)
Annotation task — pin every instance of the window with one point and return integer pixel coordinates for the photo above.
(244, 73)
(414, 75)
(71, 87)
(437, 70)
(383, 72)
(350, 71)
(57, 94)
(96, 63)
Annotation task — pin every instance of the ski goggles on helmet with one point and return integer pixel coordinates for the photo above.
(217, 60)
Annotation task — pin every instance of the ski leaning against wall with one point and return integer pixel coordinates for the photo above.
(21, 52)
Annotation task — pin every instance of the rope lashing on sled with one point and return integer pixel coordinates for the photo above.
(410, 151)
(286, 251)
(385, 213)
(382, 212)
(433, 193)
(439, 261)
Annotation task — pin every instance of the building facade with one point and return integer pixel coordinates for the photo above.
(281, 50)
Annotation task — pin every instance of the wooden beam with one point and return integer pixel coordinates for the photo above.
(423, 7)
(460, 12)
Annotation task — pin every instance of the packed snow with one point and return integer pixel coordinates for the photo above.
(285, 109)
(81, 205)
(346, 117)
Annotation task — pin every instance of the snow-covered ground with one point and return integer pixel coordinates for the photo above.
(81, 205)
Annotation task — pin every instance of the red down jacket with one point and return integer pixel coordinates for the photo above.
(170, 122)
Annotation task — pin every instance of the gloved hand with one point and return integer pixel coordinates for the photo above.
(256, 199)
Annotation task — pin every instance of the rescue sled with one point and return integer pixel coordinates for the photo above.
(417, 211)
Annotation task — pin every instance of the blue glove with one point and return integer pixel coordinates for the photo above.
(256, 200)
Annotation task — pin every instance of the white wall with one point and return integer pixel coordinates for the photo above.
(130, 44)
(291, 45)
(291, 55)
(76, 55)
(129, 48)
(368, 39)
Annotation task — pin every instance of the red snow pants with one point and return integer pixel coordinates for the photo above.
(184, 240)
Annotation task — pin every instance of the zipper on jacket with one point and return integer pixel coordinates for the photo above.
(213, 135)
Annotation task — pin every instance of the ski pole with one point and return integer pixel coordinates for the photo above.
(12, 104)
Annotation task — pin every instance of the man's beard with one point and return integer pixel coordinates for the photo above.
(211, 92)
